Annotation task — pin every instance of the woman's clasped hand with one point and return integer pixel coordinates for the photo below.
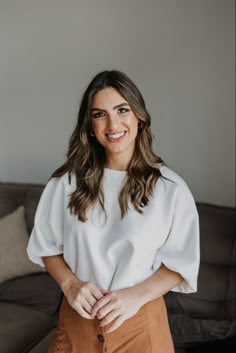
(112, 308)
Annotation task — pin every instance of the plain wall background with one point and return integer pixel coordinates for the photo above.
(180, 53)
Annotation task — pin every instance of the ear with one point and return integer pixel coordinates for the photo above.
(140, 125)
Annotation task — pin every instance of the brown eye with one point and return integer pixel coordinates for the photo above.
(97, 115)
(123, 110)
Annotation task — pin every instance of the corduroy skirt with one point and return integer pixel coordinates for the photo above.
(146, 332)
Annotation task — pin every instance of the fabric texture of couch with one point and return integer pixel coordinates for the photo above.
(199, 322)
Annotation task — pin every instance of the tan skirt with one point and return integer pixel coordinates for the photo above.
(146, 332)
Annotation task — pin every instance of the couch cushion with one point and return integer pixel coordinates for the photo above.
(30, 203)
(217, 231)
(13, 195)
(213, 300)
(43, 345)
(13, 242)
(188, 330)
(218, 251)
(216, 295)
(219, 346)
(30, 291)
(21, 327)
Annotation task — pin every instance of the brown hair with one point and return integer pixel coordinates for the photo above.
(86, 157)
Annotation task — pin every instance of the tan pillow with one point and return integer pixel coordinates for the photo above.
(14, 238)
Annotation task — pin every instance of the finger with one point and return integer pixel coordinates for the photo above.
(98, 293)
(79, 309)
(104, 291)
(105, 310)
(86, 306)
(91, 300)
(109, 318)
(83, 302)
(84, 314)
(100, 303)
(117, 323)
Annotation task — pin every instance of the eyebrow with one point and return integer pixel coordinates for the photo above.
(117, 106)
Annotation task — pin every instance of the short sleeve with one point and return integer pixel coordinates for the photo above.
(46, 238)
(181, 250)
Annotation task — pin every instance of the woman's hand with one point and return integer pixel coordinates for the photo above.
(116, 307)
(82, 296)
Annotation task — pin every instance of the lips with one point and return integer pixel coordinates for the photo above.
(116, 135)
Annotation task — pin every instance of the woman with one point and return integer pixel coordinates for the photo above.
(116, 228)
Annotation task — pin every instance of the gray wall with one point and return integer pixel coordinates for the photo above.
(179, 52)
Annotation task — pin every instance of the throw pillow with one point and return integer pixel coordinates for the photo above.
(39, 291)
(14, 237)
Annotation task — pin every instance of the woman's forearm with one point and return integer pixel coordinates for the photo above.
(161, 282)
(59, 270)
(81, 295)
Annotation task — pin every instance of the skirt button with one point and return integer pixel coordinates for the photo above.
(101, 338)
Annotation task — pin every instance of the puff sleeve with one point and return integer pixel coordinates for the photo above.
(181, 250)
(46, 238)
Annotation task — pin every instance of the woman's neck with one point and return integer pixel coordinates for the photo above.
(117, 164)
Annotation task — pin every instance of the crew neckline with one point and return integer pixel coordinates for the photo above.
(110, 170)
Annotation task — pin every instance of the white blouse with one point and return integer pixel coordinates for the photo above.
(117, 253)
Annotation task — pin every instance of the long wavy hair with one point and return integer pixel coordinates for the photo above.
(86, 157)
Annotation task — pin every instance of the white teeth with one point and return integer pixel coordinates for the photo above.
(116, 136)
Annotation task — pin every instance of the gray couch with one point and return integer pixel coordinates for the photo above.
(201, 322)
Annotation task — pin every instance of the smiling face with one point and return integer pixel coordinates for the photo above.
(115, 127)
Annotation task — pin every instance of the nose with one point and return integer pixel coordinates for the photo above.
(112, 121)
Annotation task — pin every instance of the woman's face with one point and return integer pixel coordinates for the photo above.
(114, 124)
